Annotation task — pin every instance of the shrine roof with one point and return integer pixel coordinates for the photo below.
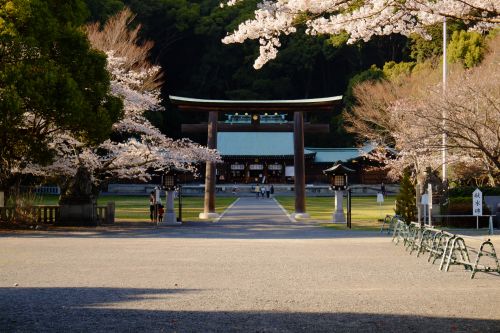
(333, 155)
(256, 144)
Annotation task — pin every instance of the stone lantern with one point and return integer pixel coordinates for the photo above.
(169, 184)
(339, 183)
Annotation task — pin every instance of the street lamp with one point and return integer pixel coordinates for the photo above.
(339, 182)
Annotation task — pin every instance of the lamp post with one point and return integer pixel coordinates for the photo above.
(169, 185)
(339, 183)
(445, 70)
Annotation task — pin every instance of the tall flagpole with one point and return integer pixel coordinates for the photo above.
(445, 174)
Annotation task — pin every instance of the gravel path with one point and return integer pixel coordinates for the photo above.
(252, 271)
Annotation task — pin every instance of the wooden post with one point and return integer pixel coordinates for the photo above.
(110, 216)
(299, 166)
(210, 174)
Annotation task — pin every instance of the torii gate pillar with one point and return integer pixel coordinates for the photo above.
(210, 174)
(299, 166)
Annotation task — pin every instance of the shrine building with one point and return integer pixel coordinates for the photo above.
(253, 154)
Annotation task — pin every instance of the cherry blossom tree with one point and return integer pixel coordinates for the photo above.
(142, 146)
(408, 114)
(360, 20)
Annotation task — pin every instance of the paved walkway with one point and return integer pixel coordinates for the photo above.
(252, 271)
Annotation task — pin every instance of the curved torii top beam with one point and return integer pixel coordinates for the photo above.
(294, 105)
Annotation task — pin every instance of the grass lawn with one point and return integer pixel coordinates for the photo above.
(365, 210)
(136, 208)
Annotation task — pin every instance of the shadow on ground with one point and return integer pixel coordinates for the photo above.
(210, 230)
(107, 309)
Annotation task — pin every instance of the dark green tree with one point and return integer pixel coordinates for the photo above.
(50, 80)
(101, 10)
(405, 200)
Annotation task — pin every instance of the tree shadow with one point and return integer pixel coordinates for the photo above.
(193, 230)
(106, 310)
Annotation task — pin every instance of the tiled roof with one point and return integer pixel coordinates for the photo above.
(256, 144)
(280, 144)
(332, 155)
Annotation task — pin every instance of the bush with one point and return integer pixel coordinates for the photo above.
(466, 191)
(463, 206)
(24, 210)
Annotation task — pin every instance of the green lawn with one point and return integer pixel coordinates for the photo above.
(136, 208)
(365, 210)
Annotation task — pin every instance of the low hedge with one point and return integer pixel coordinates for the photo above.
(466, 191)
(463, 206)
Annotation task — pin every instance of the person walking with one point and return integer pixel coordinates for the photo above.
(257, 190)
(268, 192)
(262, 191)
(271, 190)
(152, 203)
(158, 205)
(382, 189)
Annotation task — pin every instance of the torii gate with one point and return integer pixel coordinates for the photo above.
(257, 106)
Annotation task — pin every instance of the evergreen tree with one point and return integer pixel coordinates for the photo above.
(50, 80)
(405, 200)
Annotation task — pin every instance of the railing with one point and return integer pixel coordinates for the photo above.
(106, 214)
(48, 189)
(490, 220)
(49, 214)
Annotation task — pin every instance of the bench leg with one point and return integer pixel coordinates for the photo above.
(491, 254)
(441, 251)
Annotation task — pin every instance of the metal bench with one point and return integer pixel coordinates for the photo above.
(401, 232)
(457, 253)
(449, 248)
(390, 221)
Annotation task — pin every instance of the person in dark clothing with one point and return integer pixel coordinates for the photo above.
(271, 190)
(152, 202)
(382, 189)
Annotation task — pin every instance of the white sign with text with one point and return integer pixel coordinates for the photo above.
(477, 203)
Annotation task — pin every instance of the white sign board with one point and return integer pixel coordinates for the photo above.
(289, 171)
(429, 195)
(424, 200)
(157, 195)
(380, 198)
(477, 203)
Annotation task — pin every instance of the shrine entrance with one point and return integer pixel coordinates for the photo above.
(255, 116)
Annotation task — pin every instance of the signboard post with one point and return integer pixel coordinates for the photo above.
(380, 201)
(424, 201)
(477, 205)
(429, 203)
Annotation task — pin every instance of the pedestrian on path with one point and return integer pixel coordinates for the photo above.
(272, 190)
(257, 190)
(263, 190)
(268, 192)
(152, 202)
